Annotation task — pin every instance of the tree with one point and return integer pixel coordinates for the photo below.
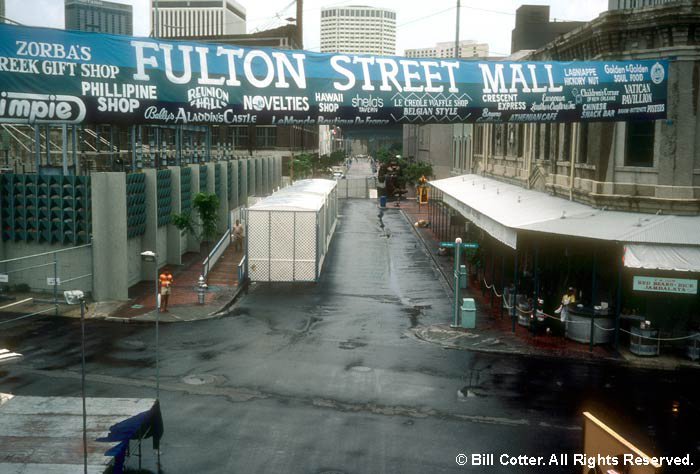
(413, 171)
(386, 154)
(303, 165)
(206, 228)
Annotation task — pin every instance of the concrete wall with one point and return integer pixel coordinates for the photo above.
(114, 259)
(133, 258)
(175, 247)
(111, 270)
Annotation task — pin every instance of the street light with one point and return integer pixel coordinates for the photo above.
(78, 297)
(151, 257)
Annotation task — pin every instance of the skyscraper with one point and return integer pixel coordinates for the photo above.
(187, 18)
(467, 49)
(358, 30)
(99, 16)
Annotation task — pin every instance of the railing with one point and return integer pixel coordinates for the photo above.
(242, 271)
(216, 253)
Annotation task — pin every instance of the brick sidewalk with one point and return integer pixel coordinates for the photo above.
(223, 280)
(489, 322)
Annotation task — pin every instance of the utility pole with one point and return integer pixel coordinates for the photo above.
(456, 34)
(300, 24)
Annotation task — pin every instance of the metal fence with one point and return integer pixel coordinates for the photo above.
(283, 245)
(356, 187)
(34, 284)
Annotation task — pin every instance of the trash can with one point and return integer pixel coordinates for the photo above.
(382, 201)
(463, 276)
(468, 315)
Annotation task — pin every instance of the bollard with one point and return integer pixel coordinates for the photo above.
(201, 290)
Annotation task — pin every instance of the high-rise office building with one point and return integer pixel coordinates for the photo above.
(188, 18)
(358, 30)
(467, 49)
(99, 16)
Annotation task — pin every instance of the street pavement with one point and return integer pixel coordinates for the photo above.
(330, 378)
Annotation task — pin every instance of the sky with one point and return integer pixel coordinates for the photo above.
(419, 23)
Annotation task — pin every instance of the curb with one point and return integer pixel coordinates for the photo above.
(619, 361)
(217, 313)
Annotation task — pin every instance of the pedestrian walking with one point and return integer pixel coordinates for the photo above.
(238, 236)
(166, 283)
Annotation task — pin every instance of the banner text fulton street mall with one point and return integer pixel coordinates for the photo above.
(61, 76)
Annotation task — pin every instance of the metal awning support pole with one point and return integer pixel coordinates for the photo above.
(493, 276)
(64, 149)
(618, 302)
(503, 273)
(514, 314)
(594, 296)
(482, 277)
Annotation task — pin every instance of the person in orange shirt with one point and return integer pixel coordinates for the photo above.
(166, 283)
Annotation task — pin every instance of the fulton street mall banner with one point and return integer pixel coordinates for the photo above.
(49, 75)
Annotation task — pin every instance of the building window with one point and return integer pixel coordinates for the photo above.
(537, 141)
(478, 139)
(521, 139)
(639, 144)
(583, 143)
(239, 136)
(266, 137)
(566, 143)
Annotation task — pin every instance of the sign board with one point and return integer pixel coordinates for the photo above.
(4, 278)
(50, 281)
(72, 77)
(464, 245)
(665, 285)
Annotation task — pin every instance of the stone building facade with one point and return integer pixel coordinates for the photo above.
(652, 166)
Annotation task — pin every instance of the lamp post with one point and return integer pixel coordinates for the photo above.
(152, 257)
(78, 297)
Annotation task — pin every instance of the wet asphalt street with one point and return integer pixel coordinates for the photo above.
(329, 378)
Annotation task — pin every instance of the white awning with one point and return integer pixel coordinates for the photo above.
(663, 257)
(501, 209)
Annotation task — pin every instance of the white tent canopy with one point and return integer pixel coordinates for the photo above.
(501, 209)
(680, 258)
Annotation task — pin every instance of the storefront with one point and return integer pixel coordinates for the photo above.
(630, 276)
